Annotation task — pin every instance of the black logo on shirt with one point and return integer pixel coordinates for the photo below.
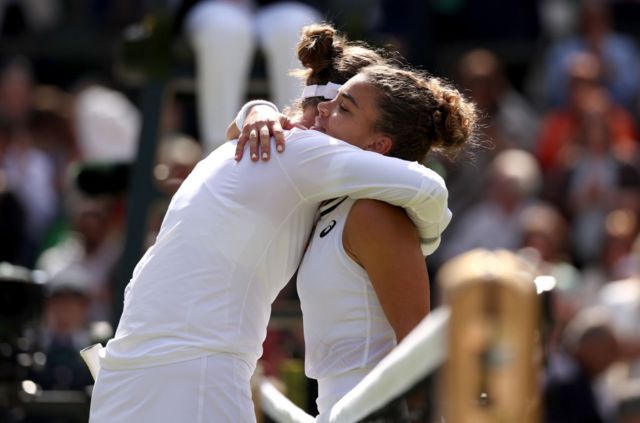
(327, 229)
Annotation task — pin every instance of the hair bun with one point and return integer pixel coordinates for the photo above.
(454, 119)
(317, 47)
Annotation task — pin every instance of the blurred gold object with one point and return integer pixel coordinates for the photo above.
(492, 371)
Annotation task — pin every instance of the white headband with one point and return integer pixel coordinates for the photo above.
(329, 91)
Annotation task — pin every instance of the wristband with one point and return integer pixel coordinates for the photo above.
(242, 114)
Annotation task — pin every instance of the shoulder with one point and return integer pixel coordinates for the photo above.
(377, 218)
(374, 208)
(312, 137)
(376, 230)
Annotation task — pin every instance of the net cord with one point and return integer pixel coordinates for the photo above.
(422, 352)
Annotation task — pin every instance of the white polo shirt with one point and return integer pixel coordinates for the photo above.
(234, 235)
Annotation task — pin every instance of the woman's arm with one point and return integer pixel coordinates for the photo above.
(321, 168)
(384, 241)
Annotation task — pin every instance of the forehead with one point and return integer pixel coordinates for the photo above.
(361, 91)
(359, 80)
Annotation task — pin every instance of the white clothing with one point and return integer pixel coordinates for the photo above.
(207, 389)
(622, 299)
(224, 36)
(346, 332)
(108, 125)
(70, 255)
(332, 389)
(30, 175)
(234, 235)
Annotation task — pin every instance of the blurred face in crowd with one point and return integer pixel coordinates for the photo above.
(67, 312)
(15, 94)
(93, 224)
(597, 351)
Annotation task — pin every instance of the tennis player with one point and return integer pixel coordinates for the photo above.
(363, 282)
(198, 303)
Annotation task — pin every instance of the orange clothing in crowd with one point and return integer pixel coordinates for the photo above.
(559, 129)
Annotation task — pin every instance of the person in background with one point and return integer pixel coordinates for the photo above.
(92, 245)
(29, 172)
(590, 347)
(617, 52)
(495, 222)
(511, 122)
(592, 180)
(66, 330)
(545, 244)
(586, 95)
(224, 36)
(508, 121)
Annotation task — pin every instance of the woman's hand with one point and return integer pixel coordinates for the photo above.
(261, 123)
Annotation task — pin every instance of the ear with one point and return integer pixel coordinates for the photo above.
(380, 144)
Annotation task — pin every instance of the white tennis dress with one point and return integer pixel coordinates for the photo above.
(234, 234)
(346, 332)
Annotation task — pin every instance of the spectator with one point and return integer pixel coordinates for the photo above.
(619, 257)
(52, 129)
(495, 223)
(618, 53)
(66, 331)
(30, 176)
(510, 122)
(16, 92)
(593, 180)
(92, 246)
(177, 156)
(545, 243)
(586, 95)
(223, 35)
(590, 347)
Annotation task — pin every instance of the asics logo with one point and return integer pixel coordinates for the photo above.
(327, 229)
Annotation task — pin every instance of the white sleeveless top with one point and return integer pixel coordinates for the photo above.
(345, 328)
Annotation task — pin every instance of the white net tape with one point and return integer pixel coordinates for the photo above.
(278, 407)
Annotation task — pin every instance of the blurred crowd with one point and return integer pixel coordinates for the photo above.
(556, 176)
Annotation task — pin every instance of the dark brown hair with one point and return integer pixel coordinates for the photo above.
(421, 112)
(329, 57)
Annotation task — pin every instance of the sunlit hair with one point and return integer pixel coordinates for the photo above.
(327, 56)
(421, 113)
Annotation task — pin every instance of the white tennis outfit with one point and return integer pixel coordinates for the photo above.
(346, 332)
(232, 237)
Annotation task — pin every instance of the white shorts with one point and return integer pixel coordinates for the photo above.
(215, 388)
